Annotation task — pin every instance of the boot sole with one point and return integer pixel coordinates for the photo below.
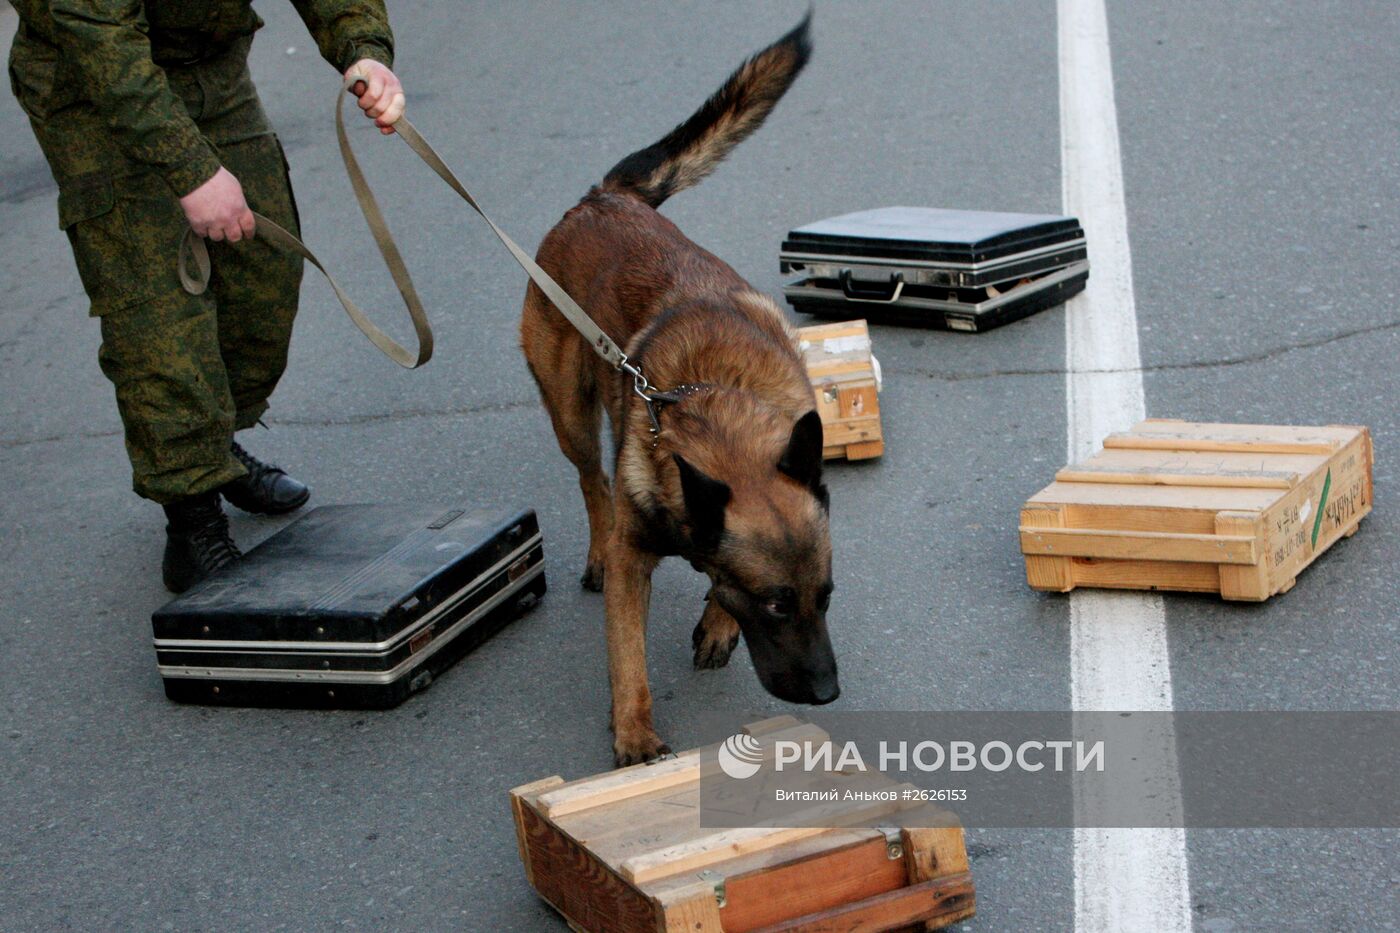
(175, 582)
(268, 510)
(178, 583)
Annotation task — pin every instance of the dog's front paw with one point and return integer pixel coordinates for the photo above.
(712, 649)
(637, 746)
(592, 578)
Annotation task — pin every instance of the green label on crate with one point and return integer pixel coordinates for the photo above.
(1321, 508)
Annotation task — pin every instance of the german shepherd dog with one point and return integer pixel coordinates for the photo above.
(732, 480)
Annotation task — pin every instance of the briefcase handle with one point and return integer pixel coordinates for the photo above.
(876, 295)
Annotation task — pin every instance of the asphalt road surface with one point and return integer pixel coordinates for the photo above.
(1259, 151)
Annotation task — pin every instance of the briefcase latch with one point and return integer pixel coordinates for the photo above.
(420, 641)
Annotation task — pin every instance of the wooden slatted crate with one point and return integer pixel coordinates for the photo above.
(1233, 509)
(846, 380)
(624, 852)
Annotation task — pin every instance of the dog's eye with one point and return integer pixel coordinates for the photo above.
(779, 608)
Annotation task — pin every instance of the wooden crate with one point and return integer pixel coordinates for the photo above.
(624, 851)
(846, 381)
(1234, 509)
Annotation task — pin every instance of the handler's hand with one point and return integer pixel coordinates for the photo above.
(218, 210)
(380, 93)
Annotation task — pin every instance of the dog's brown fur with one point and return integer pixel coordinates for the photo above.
(732, 482)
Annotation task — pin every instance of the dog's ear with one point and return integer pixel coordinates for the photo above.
(803, 458)
(705, 499)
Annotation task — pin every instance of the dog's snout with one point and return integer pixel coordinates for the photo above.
(824, 692)
(802, 686)
(800, 668)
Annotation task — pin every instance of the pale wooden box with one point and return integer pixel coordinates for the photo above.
(846, 380)
(624, 851)
(1234, 509)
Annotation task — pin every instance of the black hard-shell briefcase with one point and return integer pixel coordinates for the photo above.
(353, 606)
(960, 270)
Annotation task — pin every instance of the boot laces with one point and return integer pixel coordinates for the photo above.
(210, 535)
(259, 473)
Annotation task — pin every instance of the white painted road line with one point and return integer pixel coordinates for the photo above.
(1125, 880)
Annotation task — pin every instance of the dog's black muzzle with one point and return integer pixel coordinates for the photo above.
(794, 661)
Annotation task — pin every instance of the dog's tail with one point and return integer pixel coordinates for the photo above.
(692, 150)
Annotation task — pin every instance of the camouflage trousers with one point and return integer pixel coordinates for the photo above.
(188, 370)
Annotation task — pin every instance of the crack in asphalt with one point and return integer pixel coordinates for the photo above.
(351, 420)
(517, 404)
(1243, 360)
(408, 415)
(12, 442)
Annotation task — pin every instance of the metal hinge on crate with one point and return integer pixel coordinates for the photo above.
(894, 842)
(715, 880)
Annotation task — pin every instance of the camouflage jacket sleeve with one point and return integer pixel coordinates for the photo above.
(349, 30)
(105, 44)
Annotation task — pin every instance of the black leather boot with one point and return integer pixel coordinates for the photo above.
(265, 489)
(197, 541)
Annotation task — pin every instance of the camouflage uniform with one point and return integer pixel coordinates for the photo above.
(135, 104)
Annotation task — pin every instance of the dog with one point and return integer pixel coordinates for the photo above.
(731, 478)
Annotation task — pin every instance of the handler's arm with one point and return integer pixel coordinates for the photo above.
(348, 31)
(105, 42)
(354, 36)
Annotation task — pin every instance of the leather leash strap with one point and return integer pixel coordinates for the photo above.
(192, 247)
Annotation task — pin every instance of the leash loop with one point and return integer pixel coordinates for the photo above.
(192, 249)
(196, 283)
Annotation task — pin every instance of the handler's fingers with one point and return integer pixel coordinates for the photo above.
(361, 83)
(248, 224)
(215, 233)
(371, 97)
(392, 111)
(388, 100)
